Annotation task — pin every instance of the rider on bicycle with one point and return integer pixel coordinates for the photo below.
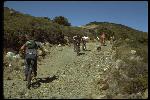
(30, 48)
(76, 41)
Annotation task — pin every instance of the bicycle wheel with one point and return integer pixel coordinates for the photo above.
(29, 78)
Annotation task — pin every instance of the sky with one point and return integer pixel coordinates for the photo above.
(130, 13)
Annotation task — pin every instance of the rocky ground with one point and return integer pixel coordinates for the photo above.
(64, 75)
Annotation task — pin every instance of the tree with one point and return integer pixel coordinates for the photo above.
(61, 20)
(47, 18)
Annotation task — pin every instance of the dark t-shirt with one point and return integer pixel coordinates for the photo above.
(77, 39)
(34, 49)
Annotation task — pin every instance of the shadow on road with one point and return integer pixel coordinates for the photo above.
(43, 80)
(87, 50)
(81, 53)
(104, 45)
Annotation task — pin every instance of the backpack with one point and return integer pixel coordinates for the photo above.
(31, 51)
(31, 44)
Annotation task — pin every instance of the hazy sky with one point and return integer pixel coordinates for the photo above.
(130, 13)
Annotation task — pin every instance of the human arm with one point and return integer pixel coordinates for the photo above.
(39, 45)
(22, 50)
(23, 47)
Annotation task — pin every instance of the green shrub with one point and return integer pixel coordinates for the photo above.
(139, 84)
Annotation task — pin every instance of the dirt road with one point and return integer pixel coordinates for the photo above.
(63, 74)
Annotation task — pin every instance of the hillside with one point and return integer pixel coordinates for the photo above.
(125, 37)
(118, 71)
(119, 30)
(16, 24)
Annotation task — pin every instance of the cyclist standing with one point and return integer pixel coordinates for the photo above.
(76, 41)
(30, 48)
(102, 38)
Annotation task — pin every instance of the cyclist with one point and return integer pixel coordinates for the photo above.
(84, 40)
(102, 38)
(76, 41)
(30, 48)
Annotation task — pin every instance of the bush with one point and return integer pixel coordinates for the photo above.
(61, 20)
(139, 84)
(136, 70)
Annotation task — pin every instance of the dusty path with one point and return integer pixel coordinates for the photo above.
(62, 74)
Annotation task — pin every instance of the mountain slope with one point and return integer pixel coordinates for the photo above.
(17, 24)
(119, 70)
(124, 36)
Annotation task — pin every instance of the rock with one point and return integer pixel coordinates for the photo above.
(10, 55)
(138, 58)
(139, 95)
(39, 52)
(132, 58)
(40, 43)
(59, 45)
(118, 63)
(105, 69)
(46, 50)
(26, 94)
(17, 56)
(101, 97)
(39, 59)
(11, 12)
(133, 52)
(104, 86)
(10, 65)
(82, 65)
(145, 95)
(127, 39)
(47, 44)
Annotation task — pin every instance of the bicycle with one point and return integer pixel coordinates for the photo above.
(30, 62)
(30, 72)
